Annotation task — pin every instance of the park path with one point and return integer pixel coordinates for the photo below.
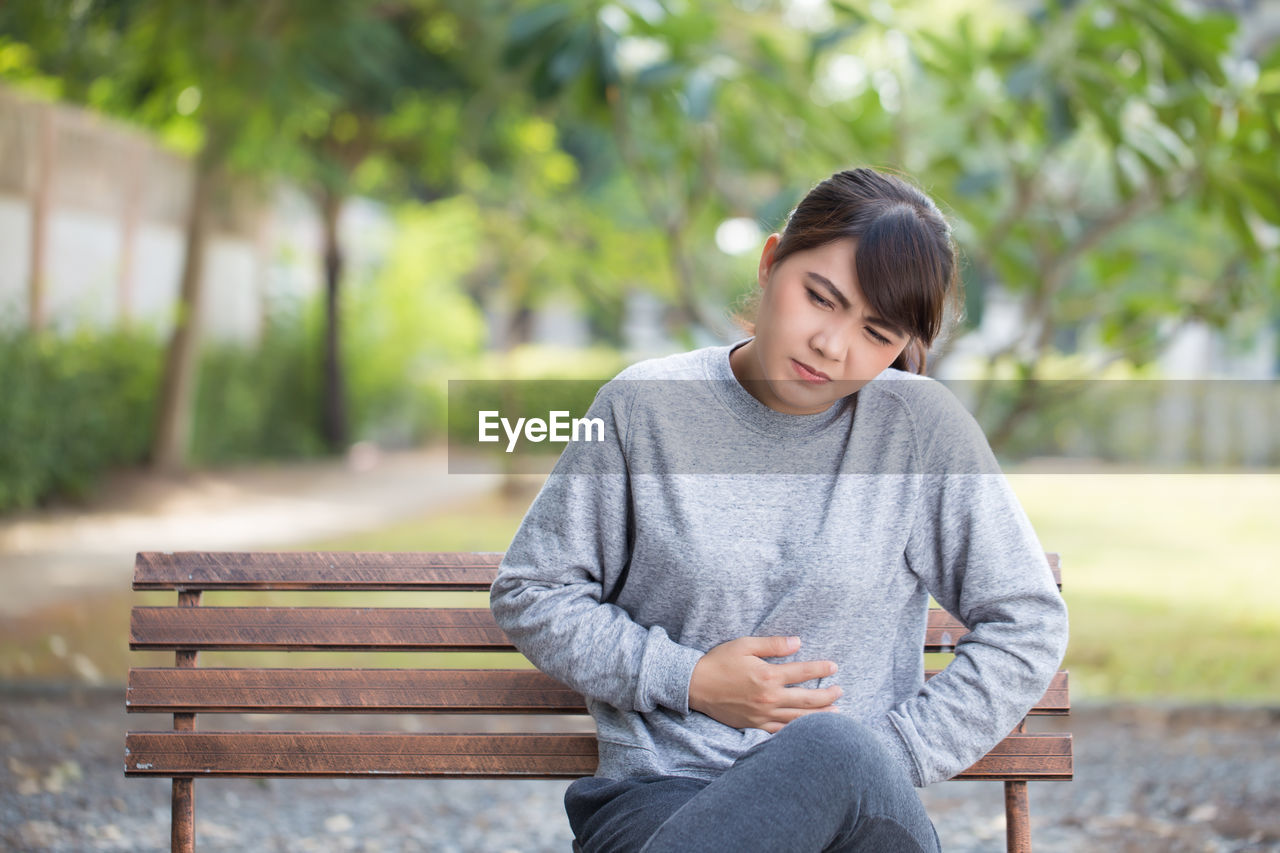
(56, 554)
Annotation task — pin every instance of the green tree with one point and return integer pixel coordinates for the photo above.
(1108, 164)
(387, 119)
(1111, 165)
(329, 93)
(222, 77)
(654, 85)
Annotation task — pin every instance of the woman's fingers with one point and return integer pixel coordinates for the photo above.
(806, 670)
(782, 716)
(732, 683)
(808, 697)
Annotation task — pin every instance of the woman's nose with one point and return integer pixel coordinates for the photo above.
(829, 342)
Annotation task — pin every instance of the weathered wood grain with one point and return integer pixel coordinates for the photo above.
(540, 756)
(231, 690)
(367, 628)
(384, 691)
(417, 570)
(317, 628)
(425, 570)
(1017, 817)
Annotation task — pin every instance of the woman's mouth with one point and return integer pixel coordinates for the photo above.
(808, 374)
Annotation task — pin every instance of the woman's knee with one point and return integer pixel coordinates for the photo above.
(828, 728)
(838, 741)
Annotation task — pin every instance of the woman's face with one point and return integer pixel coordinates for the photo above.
(816, 340)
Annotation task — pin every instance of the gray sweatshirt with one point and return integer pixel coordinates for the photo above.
(731, 519)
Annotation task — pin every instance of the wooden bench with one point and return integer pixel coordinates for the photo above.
(185, 690)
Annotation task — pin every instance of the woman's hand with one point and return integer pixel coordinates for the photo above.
(733, 685)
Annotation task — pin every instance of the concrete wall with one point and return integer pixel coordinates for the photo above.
(114, 204)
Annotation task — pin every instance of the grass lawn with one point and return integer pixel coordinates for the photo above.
(1170, 580)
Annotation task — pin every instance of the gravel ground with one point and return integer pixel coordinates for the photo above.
(1147, 778)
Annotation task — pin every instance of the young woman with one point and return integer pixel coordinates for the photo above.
(737, 578)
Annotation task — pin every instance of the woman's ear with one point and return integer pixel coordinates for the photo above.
(766, 258)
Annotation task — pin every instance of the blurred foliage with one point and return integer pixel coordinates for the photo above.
(690, 98)
(343, 98)
(80, 404)
(259, 402)
(73, 406)
(76, 406)
(410, 320)
(1059, 136)
(1108, 164)
(547, 245)
(546, 361)
(1063, 138)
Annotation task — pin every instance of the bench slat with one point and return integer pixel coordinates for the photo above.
(362, 754)
(317, 628)
(1030, 756)
(337, 570)
(347, 691)
(230, 690)
(366, 628)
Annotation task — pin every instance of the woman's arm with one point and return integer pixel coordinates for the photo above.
(975, 551)
(570, 549)
(548, 599)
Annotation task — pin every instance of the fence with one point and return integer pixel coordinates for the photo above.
(92, 217)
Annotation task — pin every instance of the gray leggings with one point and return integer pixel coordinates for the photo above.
(822, 783)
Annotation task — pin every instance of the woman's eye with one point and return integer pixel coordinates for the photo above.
(879, 338)
(813, 295)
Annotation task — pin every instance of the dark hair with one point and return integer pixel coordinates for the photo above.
(906, 262)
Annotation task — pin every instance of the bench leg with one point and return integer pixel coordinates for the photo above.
(183, 824)
(1017, 817)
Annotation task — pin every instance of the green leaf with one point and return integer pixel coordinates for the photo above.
(533, 25)
(1023, 81)
(567, 62)
(607, 59)
(533, 35)
(978, 182)
(660, 75)
(1235, 213)
(699, 92)
(826, 40)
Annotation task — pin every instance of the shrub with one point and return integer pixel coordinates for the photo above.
(259, 402)
(72, 406)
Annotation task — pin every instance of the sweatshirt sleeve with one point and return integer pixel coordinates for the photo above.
(974, 549)
(571, 549)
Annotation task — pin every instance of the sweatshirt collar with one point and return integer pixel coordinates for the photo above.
(755, 414)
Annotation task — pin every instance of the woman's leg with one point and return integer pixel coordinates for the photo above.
(824, 782)
(618, 816)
